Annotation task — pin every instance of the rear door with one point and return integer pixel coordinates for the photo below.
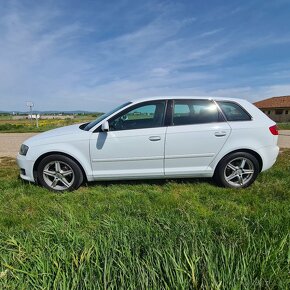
(197, 133)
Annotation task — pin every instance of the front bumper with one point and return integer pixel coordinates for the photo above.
(26, 167)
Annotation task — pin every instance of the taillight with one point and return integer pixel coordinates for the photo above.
(274, 130)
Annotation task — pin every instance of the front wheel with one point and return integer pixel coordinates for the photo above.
(59, 173)
(237, 170)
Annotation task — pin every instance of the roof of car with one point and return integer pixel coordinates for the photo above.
(138, 100)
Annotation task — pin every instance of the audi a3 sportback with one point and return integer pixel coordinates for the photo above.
(165, 137)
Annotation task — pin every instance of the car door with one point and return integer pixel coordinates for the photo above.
(134, 145)
(197, 133)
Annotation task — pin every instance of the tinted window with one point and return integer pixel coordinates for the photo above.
(195, 112)
(148, 115)
(234, 112)
(181, 110)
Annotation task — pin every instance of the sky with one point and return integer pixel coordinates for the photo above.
(94, 55)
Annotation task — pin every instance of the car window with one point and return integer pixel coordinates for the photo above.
(181, 110)
(90, 125)
(147, 115)
(233, 111)
(187, 112)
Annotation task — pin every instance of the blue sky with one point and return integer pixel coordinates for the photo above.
(93, 55)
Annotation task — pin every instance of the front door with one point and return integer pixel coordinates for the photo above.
(134, 145)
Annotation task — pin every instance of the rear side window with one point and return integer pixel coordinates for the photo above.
(234, 112)
(187, 112)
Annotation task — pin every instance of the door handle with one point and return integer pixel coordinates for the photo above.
(220, 134)
(154, 138)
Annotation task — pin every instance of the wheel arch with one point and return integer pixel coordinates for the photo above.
(254, 153)
(38, 160)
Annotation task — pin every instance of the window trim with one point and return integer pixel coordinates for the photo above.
(132, 107)
(222, 117)
(104, 117)
(169, 113)
(239, 105)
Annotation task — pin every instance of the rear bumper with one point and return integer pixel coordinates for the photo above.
(26, 168)
(269, 156)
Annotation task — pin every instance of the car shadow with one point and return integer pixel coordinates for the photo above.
(159, 182)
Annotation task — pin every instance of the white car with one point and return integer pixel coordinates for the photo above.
(165, 137)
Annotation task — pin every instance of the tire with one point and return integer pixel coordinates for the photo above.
(59, 173)
(237, 170)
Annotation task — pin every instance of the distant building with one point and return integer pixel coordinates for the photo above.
(276, 108)
(59, 117)
(33, 116)
(43, 117)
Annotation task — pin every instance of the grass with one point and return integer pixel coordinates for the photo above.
(186, 234)
(7, 125)
(284, 126)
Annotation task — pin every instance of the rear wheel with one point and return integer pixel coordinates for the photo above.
(237, 170)
(59, 173)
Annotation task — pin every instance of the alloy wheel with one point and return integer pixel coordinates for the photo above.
(58, 175)
(239, 171)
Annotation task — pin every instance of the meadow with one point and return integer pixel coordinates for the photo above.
(284, 126)
(8, 125)
(173, 234)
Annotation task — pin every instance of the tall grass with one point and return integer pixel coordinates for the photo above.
(132, 255)
(185, 234)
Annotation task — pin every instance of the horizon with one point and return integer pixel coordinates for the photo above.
(92, 56)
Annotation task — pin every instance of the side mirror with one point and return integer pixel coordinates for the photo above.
(105, 127)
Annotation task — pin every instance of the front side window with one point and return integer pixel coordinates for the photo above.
(148, 115)
(90, 125)
(233, 111)
(186, 112)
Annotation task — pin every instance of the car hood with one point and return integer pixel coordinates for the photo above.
(56, 135)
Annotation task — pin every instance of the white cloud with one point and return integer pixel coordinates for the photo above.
(159, 72)
(62, 62)
(253, 93)
(211, 32)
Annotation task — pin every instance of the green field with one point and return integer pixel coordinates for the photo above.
(178, 234)
(7, 125)
(284, 126)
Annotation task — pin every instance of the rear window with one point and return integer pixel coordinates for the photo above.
(234, 112)
(188, 112)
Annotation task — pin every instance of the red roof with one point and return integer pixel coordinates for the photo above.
(275, 102)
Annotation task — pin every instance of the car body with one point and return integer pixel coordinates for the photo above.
(161, 137)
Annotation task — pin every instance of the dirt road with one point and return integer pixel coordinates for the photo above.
(284, 139)
(10, 142)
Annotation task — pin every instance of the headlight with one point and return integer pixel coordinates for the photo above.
(23, 149)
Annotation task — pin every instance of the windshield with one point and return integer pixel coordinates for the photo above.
(104, 116)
